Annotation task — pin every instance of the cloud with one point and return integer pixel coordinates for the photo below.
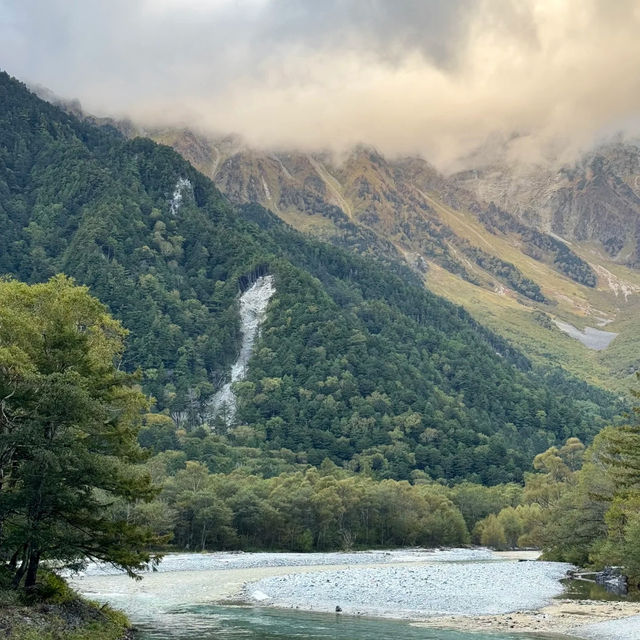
(436, 77)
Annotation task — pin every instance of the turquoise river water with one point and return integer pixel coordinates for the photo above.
(203, 622)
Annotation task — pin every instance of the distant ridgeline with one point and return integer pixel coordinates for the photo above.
(354, 360)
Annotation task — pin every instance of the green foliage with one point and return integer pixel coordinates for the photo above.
(75, 619)
(491, 533)
(581, 506)
(318, 509)
(476, 502)
(356, 361)
(52, 589)
(68, 432)
(506, 272)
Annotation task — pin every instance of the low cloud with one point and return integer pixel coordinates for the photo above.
(436, 77)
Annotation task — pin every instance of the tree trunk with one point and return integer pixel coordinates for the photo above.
(13, 563)
(203, 537)
(19, 574)
(32, 570)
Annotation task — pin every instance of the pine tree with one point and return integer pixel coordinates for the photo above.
(68, 433)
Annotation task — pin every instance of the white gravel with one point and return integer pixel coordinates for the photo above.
(622, 629)
(417, 591)
(238, 560)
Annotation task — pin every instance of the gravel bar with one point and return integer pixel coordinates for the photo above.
(622, 629)
(238, 560)
(417, 591)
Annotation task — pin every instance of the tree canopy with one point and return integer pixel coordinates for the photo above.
(68, 432)
(581, 505)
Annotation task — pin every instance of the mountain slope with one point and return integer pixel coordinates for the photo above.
(595, 199)
(356, 361)
(470, 238)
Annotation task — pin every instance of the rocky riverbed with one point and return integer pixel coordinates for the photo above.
(232, 560)
(574, 618)
(462, 589)
(417, 590)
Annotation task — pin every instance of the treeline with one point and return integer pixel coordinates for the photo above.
(317, 509)
(505, 272)
(581, 506)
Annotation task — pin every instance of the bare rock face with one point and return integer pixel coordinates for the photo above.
(393, 208)
(596, 199)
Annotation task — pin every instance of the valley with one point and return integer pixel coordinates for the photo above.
(320, 320)
(411, 212)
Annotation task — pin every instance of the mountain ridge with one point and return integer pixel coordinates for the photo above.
(356, 361)
(485, 254)
(493, 256)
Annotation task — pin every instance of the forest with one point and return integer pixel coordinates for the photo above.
(357, 362)
(371, 415)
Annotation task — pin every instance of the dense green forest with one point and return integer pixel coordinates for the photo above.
(317, 509)
(581, 505)
(356, 363)
(370, 411)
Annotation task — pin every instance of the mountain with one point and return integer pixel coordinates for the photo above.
(544, 255)
(595, 199)
(353, 359)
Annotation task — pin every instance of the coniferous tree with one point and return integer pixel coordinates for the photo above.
(68, 432)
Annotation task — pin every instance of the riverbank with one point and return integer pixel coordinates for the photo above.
(76, 619)
(222, 577)
(502, 594)
(577, 618)
(417, 590)
(462, 589)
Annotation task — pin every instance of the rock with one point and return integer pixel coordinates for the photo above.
(613, 580)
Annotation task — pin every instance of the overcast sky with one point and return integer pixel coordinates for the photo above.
(435, 77)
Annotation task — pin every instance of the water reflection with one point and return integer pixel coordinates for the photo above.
(584, 590)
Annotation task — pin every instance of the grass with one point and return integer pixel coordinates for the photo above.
(56, 612)
(112, 625)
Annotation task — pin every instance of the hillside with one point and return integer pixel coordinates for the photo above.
(355, 361)
(533, 252)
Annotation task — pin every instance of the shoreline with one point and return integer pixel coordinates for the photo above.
(566, 618)
(561, 617)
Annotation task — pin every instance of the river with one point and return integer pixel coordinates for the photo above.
(204, 622)
(205, 596)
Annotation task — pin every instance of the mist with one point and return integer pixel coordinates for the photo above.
(434, 77)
